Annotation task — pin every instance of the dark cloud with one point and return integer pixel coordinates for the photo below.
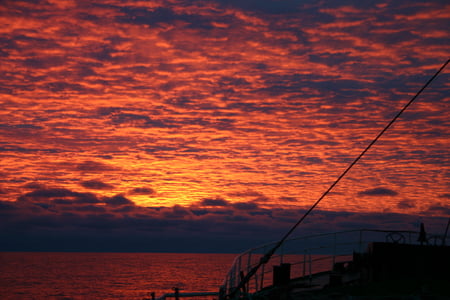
(44, 63)
(311, 160)
(211, 212)
(248, 193)
(11, 148)
(266, 6)
(200, 231)
(160, 149)
(245, 205)
(177, 212)
(289, 199)
(94, 167)
(107, 110)
(125, 209)
(162, 15)
(136, 120)
(118, 200)
(21, 126)
(46, 214)
(142, 191)
(96, 185)
(53, 194)
(378, 192)
(439, 208)
(214, 202)
(5, 206)
(59, 86)
(89, 209)
(406, 204)
(34, 186)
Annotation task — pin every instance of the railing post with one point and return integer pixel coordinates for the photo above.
(249, 262)
(262, 276)
(177, 293)
(233, 276)
(231, 281)
(256, 282)
(310, 268)
(334, 250)
(304, 264)
(281, 253)
(239, 268)
(360, 240)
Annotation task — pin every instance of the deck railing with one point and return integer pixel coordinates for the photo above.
(310, 255)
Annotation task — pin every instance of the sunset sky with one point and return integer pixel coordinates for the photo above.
(171, 125)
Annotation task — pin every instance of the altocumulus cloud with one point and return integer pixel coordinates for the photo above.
(227, 75)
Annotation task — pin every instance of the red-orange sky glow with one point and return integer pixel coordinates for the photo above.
(174, 117)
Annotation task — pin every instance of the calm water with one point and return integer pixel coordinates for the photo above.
(69, 276)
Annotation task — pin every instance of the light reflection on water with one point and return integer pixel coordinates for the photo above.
(69, 276)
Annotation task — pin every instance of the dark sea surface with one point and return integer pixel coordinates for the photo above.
(67, 276)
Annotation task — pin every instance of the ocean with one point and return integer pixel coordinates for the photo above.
(73, 276)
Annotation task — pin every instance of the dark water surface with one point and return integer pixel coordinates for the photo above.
(67, 276)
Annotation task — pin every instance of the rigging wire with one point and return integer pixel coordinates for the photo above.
(269, 254)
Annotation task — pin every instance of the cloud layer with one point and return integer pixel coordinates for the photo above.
(64, 220)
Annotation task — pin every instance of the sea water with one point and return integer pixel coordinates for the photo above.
(70, 276)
